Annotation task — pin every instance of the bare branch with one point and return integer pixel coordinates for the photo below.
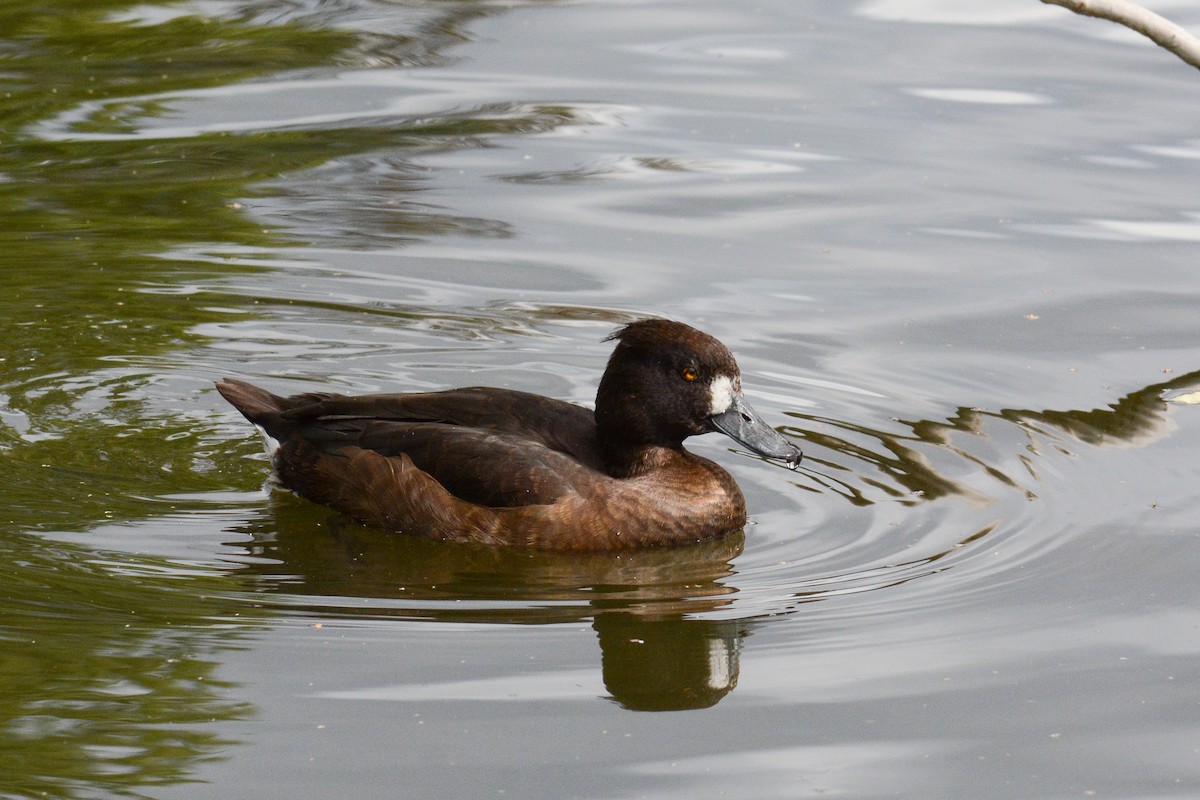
(1162, 31)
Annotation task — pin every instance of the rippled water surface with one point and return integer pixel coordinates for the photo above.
(954, 246)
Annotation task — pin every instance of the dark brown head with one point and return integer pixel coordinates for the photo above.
(667, 381)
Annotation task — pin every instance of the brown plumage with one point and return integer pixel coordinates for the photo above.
(497, 466)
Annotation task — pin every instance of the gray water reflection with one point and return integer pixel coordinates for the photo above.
(908, 475)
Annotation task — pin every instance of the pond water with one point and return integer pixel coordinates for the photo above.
(953, 245)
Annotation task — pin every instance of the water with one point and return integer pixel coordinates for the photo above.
(952, 245)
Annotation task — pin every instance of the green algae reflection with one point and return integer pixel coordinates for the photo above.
(108, 678)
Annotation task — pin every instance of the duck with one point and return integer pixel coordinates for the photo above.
(500, 467)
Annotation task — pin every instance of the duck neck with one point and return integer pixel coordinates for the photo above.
(632, 462)
(630, 446)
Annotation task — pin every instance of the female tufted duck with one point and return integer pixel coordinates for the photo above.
(505, 467)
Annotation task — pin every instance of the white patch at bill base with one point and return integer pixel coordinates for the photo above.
(722, 391)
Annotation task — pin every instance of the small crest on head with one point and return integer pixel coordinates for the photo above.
(666, 336)
(657, 332)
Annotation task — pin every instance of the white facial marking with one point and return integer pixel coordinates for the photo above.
(721, 391)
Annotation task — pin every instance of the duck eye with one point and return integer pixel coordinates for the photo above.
(689, 374)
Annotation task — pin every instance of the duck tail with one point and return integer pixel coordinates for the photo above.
(260, 407)
(257, 405)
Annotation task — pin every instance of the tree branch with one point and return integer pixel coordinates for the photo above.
(1162, 31)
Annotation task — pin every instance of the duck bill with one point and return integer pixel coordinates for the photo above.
(742, 423)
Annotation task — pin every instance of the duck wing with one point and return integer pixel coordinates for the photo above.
(480, 467)
(489, 447)
(558, 425)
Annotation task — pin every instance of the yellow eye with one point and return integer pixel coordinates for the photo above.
(689, 374)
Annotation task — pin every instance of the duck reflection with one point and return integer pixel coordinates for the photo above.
(668, 664)
(651, 609)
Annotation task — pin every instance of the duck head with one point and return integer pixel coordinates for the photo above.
(666, 381)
